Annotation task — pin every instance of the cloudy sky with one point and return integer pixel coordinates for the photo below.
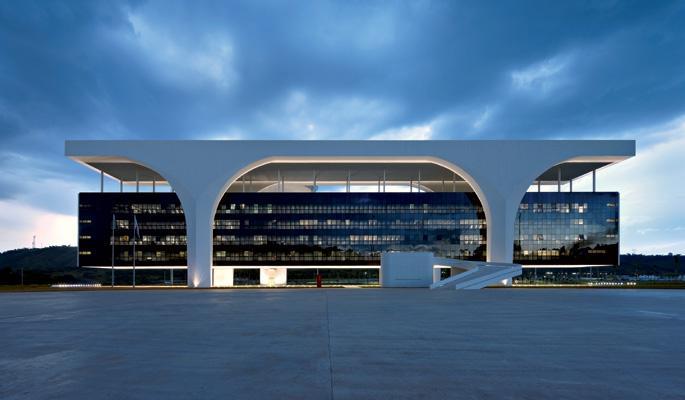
(357, 70)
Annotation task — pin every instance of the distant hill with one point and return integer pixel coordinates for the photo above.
(53, 258)
(641, 264)
(57, 264)
(47, 265)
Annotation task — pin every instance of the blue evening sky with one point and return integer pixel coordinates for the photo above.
(340, 70)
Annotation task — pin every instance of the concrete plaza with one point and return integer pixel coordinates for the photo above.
(343, 344)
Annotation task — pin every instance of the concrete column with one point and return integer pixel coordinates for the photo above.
(102, 181)
(418, 185)
(314, 188)
(559, 179)
(199, 238)
(570, 182)
(121, 186)
(137, 183)
(500, 229)
(153, 186)
(273, 276)
(594, 180)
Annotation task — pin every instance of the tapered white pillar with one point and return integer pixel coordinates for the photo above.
(500, 229)
(199, 217)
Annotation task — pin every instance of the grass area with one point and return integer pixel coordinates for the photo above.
(638, 285)
(25, 288)
(48, 288)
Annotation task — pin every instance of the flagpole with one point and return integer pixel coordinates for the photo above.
(135, 230)
(114, 221)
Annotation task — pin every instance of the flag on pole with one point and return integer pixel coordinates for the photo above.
(136, 229)
(114, 226)
(136, 235)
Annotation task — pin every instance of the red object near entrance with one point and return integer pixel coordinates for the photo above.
(318, 280)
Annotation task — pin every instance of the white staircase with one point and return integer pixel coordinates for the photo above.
(477, 275)
(422, 269)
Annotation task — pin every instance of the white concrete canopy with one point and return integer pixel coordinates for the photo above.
(200, 172)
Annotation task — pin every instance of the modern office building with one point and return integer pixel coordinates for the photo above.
(266, 211)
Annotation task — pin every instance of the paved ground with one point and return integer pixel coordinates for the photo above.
(343, 344)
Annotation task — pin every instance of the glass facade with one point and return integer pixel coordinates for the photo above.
(345, 228)
(338, 229)
(579, 228)
(161, 224)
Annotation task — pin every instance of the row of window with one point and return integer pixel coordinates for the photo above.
(147, 240)
(351, 240)
(147, 208)
(546, 252)
(582, 227)
(345, 208)
(293, 257)
(228, 224)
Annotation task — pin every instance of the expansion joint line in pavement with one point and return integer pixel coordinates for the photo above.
(328, 330)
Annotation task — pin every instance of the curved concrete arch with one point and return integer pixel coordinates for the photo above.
(550, 162)
(150, 164)
(362, 160)
(167, 174)
(452, 167)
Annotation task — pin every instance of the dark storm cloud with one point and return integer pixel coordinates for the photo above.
(103, 69)
(169, 69)
(429, 59)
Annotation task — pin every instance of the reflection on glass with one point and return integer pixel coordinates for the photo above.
(347, 228)
(567, 228)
